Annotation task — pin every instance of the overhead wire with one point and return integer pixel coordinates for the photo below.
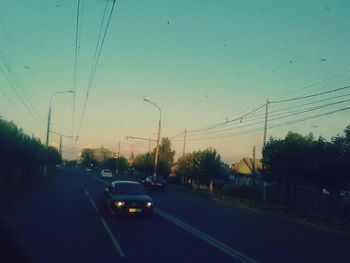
(8, 73)
(277, 115)
(269, 127)
(215, 125)
(75, 63)
(98, 50)
(17, 93)
(310, 96)
(317, 83)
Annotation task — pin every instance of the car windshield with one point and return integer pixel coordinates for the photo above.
(107, 171)
(129, 189)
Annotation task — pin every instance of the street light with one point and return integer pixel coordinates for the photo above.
(158, 136)
(49, 122)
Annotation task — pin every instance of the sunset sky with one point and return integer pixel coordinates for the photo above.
(204, 63)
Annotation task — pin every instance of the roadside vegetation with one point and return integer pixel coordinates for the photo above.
(20, 152)
(22, 158)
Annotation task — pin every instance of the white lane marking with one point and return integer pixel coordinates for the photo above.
(84, 188)
(212, 241)
(93, 204)
(114, 240)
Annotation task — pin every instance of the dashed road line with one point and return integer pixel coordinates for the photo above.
(93, 204)
(112, 237)
(205, 237)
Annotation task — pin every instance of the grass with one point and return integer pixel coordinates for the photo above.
(258, 206)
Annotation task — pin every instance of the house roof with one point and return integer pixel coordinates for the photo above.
(245, 166)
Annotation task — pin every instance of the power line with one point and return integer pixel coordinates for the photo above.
(278, 117)
(310, 96)
(226, 122)
(16, 92)
(94, 67)
(75, 62)
(11, 78)
(270, 127)
(317, 83)
(303, 88)
(299, 106)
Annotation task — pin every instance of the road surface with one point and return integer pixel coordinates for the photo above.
(65, 222)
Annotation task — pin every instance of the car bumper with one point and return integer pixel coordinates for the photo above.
(133, 211)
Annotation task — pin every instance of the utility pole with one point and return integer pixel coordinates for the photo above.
(48, 127)
(253, 167)
(60, 145)
(157, 150)
(264, 143)
(183, 151)
(118, 158)
(266, 118)
(149, 145)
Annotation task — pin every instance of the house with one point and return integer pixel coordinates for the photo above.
(244, 169)
(101, 154)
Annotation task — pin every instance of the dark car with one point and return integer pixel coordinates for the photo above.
(127, 198)
(154, 182)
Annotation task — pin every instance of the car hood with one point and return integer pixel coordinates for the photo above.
(145, 198)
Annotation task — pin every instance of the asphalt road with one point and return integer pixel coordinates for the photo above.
(65, 223)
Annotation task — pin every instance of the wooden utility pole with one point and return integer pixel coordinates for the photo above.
(60, 145)
(118, 163)
(264, 143)
(266, 118)
(253, 167)
(185, 135)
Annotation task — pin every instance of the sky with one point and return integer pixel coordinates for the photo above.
(204, 63)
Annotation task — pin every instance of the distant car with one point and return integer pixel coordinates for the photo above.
(325, 191)
(154, 182)
(345, 193)
(106, 173)
(127, 198)
(88, 169)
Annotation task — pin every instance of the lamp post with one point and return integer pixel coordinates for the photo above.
(49, 123)
(158, 136)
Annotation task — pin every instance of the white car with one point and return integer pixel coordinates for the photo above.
(106, 173)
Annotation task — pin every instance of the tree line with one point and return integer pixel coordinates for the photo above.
(18, 150)
(197, 167)
(304, 160)
(89, 161)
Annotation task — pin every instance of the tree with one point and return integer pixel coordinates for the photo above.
(285, 160)
(166, 157)
(122, 164)
(21, 151)
(145, 162)
(199, 165)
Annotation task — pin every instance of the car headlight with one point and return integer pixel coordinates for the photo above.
(119, 204)
(149, 204)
